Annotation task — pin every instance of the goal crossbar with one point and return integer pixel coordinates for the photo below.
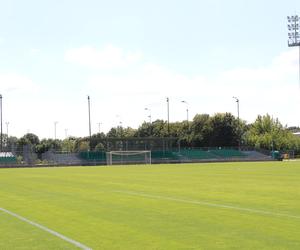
(127, 157)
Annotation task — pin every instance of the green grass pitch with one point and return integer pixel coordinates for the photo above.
(185, 206)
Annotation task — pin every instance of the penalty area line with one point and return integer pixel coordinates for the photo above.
(74, 242)
(208, 204)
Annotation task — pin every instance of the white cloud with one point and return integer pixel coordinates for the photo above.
(109, 58)
(10, 82)
(272, 89)
(126, 92)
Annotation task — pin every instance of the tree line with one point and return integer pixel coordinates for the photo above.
(219, 130)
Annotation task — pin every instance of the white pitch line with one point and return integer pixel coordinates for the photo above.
(76, 243)
(204, 203)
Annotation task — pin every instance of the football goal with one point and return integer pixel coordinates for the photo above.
(128, 157)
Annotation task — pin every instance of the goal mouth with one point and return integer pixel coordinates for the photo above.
(128, 157)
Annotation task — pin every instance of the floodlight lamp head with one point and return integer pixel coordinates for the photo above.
(236, 99)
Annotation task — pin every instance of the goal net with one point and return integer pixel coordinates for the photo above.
(128, 157)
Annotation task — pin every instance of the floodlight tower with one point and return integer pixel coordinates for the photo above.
(294, 37)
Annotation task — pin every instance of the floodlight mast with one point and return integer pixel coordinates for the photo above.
(293, 35)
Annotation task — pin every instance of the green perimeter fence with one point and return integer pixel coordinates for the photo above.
(29, 158)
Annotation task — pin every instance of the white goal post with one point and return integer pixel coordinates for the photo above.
(128, 157)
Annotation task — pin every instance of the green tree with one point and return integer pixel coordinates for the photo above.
(223, 130)
(269, 133)
(68, 144)
(200, 130)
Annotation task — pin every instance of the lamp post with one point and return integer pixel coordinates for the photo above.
(293, 35)
(238, 106)
(149, 116)
(89, 111)
(238, 113)
(168, 114)
(1, 134)
(187, 110)
(55, 123)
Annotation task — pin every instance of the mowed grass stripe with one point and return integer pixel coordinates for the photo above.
(204, 203)
(73, 242)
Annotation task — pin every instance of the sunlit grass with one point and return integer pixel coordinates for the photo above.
(154, 207)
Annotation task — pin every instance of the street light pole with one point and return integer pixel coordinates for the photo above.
(238, 113)
(89, 110)
(168, 112)
(55, 123)
(238, 106)
(187, 110)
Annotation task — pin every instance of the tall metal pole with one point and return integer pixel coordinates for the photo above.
(238, 113)
(89, 109)
(55, 123)
(1, 134)
(187, 111)
(238, 106)
(168, 111)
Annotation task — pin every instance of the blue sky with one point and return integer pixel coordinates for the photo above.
(129, 55)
